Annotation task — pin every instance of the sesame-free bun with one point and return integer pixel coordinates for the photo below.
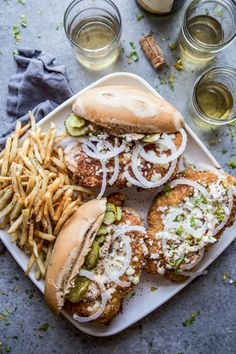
(126, 109)
(71, 247)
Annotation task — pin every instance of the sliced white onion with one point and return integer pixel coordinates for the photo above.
(193, 274)
(115, 175)
(132, 180)
(67, 140)
(175, 153)
(104, 179)
(193, 264)
(190, 183)
(144, 182)
(70, 146)
(114, 276)
(230, 206)
(87, 146)
(104, 297)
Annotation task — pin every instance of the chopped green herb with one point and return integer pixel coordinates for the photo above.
(189, 321)
(162, 80)
(172, 46)
(14, 337)
(22, 2)
(192, 221)
(225, 276)
(3, 317)
(153, 289)
(30, 293)
(232, 164)
(180, 260)
(133, 53)
(197, 201)
(212, 142)
(44, 326)
(224, 151)
(180, 230)
(219, 13)
(234, 283)
(179, 65)
(8, 349)
(219, 140)
(171, 81)
(23, 21)
(139, 17)
(59, 26)
(232, 133)
(16, 33)
(167, 188)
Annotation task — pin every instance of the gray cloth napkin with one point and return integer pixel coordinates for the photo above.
(38, 85)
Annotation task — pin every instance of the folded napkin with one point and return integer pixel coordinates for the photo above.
(38, 85)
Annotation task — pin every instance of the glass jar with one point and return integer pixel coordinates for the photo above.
(93, 27)
(214, 96)
(208, 27)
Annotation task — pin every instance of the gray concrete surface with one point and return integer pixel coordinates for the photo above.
(214, 329)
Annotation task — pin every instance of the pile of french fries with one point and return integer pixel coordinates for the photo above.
(37, 195)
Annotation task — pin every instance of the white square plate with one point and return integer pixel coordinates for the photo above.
(144, 300)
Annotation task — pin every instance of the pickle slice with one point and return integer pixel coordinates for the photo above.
(109, 218)
(150, 138)
(118, 213)
(102, 230)
(75, 125)
(79, 290)
(111, 207)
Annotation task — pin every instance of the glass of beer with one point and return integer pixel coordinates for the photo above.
(208, 27)
(93, 27)
(214, 96)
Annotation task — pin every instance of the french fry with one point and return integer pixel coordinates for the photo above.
(65, 216)
(29, 165)
(9, 207)
(58, 163)
(80, 189)
(20, 186)
(31, 197)
(17, 209)
(7, 194)
(14, 236)
(31, 233)
(5, 179)
(57, 195)
(49, 253)
(32, 121)
(48, 199)
(44, 235)
(15, 140)
(6, 155)
(41, 266)
(30, 264)
(16, 224)
(24, 232)
(59, 208)
(35, 163)
(30, 186)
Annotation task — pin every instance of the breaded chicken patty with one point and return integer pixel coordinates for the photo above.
(88, 172)
(114, 252)
(184, 222)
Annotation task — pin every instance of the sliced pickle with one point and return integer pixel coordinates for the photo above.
(79, 290)
(92, 257)
(111, 207)
(109, 218)
(152, 138)
(118, 213)
(103, 230)
(75, 125)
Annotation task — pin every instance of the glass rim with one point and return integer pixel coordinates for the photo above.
(203, 116)
(82, 49)
(196, 43)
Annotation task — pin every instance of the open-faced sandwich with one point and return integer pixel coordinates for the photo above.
(97, 259)
(123, 136)
(187, 218)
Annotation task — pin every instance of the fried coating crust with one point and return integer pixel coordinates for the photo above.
(87, 171)
(172, 198)
(114, 304)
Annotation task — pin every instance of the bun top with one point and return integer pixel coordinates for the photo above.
(71, 247)
(125, 109)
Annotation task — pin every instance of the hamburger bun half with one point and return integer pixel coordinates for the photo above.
(71, 247)
(125, 109)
